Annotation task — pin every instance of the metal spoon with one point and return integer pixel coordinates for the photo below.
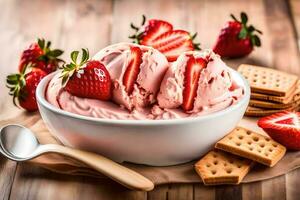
(20, 144)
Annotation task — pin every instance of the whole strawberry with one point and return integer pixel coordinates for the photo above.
(160, 35)
(89, 79)
(23, 85)
(237, 39)
(41, 56)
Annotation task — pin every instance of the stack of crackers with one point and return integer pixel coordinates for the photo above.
(235, 154)
(271, 90)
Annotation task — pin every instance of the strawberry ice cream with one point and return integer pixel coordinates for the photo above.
(159, 89)
(153, 66)
(216, 90)
(62, 99)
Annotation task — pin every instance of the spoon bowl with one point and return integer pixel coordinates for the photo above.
(20, 144)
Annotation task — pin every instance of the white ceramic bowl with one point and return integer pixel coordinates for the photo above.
(151, 142)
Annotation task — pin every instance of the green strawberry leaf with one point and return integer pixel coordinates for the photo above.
(41, 43)
(194, 36)
(74, 56)
(244, 17)
(259, 31)
(55, 53)
(233, 17)
(143, 20)
(48, 45)
(132, 36)
(256, 41)
(251, 29)
(134, 27)
(243, 33)
(85, 56)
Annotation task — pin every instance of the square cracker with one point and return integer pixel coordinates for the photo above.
(251, 145)
(291, 96)
(268, 81)
(260, 112)
(217, 168)
(272, 105)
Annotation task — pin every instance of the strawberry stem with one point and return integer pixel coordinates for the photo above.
(137, 36)
(74, 66)
(195, 45)
(16, 82)
(248, 31)
(48, 53)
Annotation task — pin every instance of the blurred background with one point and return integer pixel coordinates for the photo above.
(93, 24)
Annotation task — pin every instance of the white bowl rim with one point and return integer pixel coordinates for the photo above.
(40, 95)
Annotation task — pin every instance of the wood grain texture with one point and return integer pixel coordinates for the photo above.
(227, 192)
(204, 192)
(292, 178)
(7, 173)
(180, 192)
(294, 6)
(72, 24)
(159, 193)
(252, 191)
(274, 189)
(284, 47)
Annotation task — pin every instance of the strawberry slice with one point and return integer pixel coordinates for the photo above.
(159, 34)
(192, 73)
(133, 69)
(173, 43)
(149, 30)
(175, 50)
(153, 29)
(169, 38)
(284, 127)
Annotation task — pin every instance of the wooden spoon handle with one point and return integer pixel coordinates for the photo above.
(115, 171)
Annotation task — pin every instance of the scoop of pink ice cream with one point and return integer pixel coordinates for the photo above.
(215, 86)
(152, 69)
(57, 96)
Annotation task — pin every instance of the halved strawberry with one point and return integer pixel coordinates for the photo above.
(284, 127)
(191, 77)
(154, 29)
(151, 30)
(159, 34)
(133, 69)
(173, 43)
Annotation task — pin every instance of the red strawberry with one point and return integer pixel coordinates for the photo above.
(89, 79)
(173, 43)
(41, 56)
(23, 85)
(284, 127)
(133, 69)
(151, 30)
(160, 35)
(193, 69)
(237, 39)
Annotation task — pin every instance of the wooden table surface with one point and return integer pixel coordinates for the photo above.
(72, 24)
